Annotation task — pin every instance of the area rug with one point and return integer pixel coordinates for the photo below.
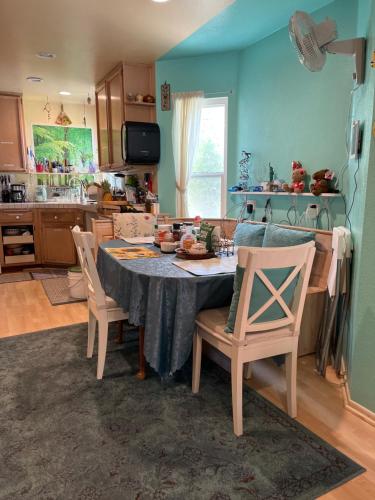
(57, 291)
(44, 273)
(14, 277)
(65, 435)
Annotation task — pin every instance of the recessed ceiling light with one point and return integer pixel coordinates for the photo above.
(65, 92)
(45, 55)
(34, 79)
(160, 1)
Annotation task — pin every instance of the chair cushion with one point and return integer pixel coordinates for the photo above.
(249, 235)
(110, 303)
(133, 225)
(276, 236)
(214, 319)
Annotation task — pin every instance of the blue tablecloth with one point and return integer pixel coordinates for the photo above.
(164, 299)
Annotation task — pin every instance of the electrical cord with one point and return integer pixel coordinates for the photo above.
(267, 217)
(354, 193)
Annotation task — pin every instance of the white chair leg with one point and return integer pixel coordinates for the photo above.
(102, 344)
(236, 375)
(197, 361)
(247, 371)
(291, 383)
(91, 334)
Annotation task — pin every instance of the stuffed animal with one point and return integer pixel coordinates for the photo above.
(298, 175)
(322, 182)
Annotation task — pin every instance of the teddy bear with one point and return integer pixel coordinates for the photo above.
(298, 175)
(322, 182)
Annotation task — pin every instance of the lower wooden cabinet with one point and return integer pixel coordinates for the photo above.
(57, 244)
(56, 239)
(49, 239)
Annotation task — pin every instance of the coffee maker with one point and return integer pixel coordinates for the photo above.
(17, 193)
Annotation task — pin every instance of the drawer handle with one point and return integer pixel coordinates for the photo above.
(18, 217)
(56, 217)
(9, 165)
(6, 142)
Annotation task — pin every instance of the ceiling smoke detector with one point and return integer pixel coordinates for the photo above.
(46, 55)
(34, 79)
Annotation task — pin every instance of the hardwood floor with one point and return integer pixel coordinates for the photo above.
(24, 307)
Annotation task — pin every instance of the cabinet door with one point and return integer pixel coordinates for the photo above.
(103, 126)
(57, 244)
(116, 115)
(12, 141)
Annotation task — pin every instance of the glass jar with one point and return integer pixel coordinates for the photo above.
(188, 238)
(176, 231)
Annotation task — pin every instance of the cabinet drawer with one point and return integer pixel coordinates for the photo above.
(15, 216)
(59, 216)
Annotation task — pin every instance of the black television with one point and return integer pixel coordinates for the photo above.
(140, 143)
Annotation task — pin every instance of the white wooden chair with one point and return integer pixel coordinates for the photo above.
(102, 309)
(257, 340)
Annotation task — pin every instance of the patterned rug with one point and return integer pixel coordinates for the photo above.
(14, 277)
(65, 435)
(57, 291)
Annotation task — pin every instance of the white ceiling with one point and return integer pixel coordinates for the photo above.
(89, 37)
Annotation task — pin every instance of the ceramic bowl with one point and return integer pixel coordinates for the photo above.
(168, 246)
(198, 249)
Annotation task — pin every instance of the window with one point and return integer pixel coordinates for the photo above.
(207, 185)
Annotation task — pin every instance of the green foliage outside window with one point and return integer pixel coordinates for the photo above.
(60, 144)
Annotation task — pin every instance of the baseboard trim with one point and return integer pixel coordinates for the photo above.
(357, 409)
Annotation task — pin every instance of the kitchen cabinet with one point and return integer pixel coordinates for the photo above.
(18, 238)
(44, 235)
(102, 124)
(12, 137)
(56, 237)
(113, 108)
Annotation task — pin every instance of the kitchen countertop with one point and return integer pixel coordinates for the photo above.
(88, 207)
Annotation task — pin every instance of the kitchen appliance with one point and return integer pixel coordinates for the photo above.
(40, 193)
(140, 143)
(17, 193)
(312, 42)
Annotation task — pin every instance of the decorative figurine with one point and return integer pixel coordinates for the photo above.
(244, 170)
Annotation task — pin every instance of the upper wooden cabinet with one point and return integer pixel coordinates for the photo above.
(12, 138)
(113, 108)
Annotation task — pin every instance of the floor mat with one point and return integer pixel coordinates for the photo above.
(66, 435)
(15, 277)
(44, 273)
(57, 291)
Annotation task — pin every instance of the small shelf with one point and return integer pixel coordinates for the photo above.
(282, 193)
(20, 259)
(11, 240)
(65, 173)
(134, 103)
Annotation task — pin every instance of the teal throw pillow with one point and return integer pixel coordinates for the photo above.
(276, 236)
(249, 235)
(260, 294)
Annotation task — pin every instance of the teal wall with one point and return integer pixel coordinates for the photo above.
(280, 112)
(208, 73)
(361, 342)
(288, 113)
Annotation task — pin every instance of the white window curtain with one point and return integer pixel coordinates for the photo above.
(187, 107)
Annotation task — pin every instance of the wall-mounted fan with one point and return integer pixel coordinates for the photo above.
(312, 41)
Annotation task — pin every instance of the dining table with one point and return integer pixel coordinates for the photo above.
(163, 300)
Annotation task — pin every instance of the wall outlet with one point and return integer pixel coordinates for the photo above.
(312, 211)
(250, 206)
